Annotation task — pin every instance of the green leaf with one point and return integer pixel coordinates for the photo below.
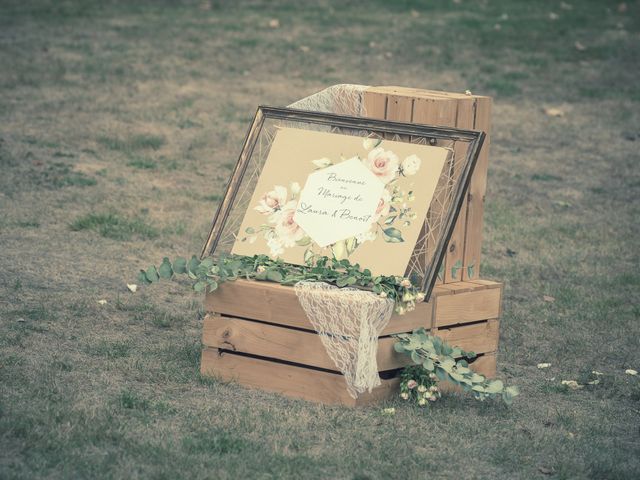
(392, 235)
(455, 268)
(152, 274)
(303, 242)
(470, 271)
(415, 356)
(399, 347)
(250, 230)
(274, 275)
(193, 264)
(390, 219)
(351, 244)
(165, 270)
(428, 365)
(180, 265)
(494, 386)
(200, 286)
(142, 277)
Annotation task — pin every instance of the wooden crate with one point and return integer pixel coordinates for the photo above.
(462, 261)
(256, 333)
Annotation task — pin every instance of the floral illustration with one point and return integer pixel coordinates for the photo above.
(394, 211)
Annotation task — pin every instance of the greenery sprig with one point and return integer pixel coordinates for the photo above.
(209, 273)
(436, 357)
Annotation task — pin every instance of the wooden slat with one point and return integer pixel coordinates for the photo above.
(289, 380)
(441, 111)
(375, 104)
(455, 249)
(468, 307)
(270, 302)
(476, 195)
(275, 303)
(306, 348)
(307, 384)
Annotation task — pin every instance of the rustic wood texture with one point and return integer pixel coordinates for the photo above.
(476, 194)
(305, 347)
(274, 303)
(462, 261)
(304, 383)
(271, 345)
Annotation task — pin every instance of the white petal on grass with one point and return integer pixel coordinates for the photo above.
(631, 371)
(543, 365)
(102, 301)
(133, 288)
(595, 372)
(572, 384)
(389, 411)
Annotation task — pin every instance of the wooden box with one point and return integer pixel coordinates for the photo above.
(256, 334)
(466, 111)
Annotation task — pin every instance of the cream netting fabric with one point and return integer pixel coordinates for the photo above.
(348, 322)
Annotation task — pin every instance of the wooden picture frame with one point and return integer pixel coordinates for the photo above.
(453, 183)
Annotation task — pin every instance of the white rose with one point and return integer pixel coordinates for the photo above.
(275, 246)
(404, 396)
(383, 163)
(322, 162)
(422, 389)
(422, 402)
(273, 201)
(369, 143)
(286, 229)
(411, 165)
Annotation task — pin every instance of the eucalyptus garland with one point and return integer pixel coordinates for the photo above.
(435, 359)
(209, 273)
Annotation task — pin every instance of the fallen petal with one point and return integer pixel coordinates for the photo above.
(572, 384)
(554, 112)
(543, 365)
(630, 371)
(102, 302)
(548, 298)
(132, 287)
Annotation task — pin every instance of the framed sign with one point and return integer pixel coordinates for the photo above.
(382, 194)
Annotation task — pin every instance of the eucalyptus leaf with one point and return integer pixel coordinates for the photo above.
(165, 270)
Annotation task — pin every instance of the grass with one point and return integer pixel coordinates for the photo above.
(136, 110)
(114, 226)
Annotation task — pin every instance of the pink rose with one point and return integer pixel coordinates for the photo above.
(287, 230)
(273, 201)
(411, 384)
(383, 206)
(383, 163)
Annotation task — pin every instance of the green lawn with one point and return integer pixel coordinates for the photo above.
(120, 123)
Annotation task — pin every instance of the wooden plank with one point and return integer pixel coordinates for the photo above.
(476, 195)
(274, 303)
(307, 384)
(374, 104)
(289, 380)
(461, 287)
(486, 283)
(430, 110)
(468, 307)
(455, 249)
(306, 348)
